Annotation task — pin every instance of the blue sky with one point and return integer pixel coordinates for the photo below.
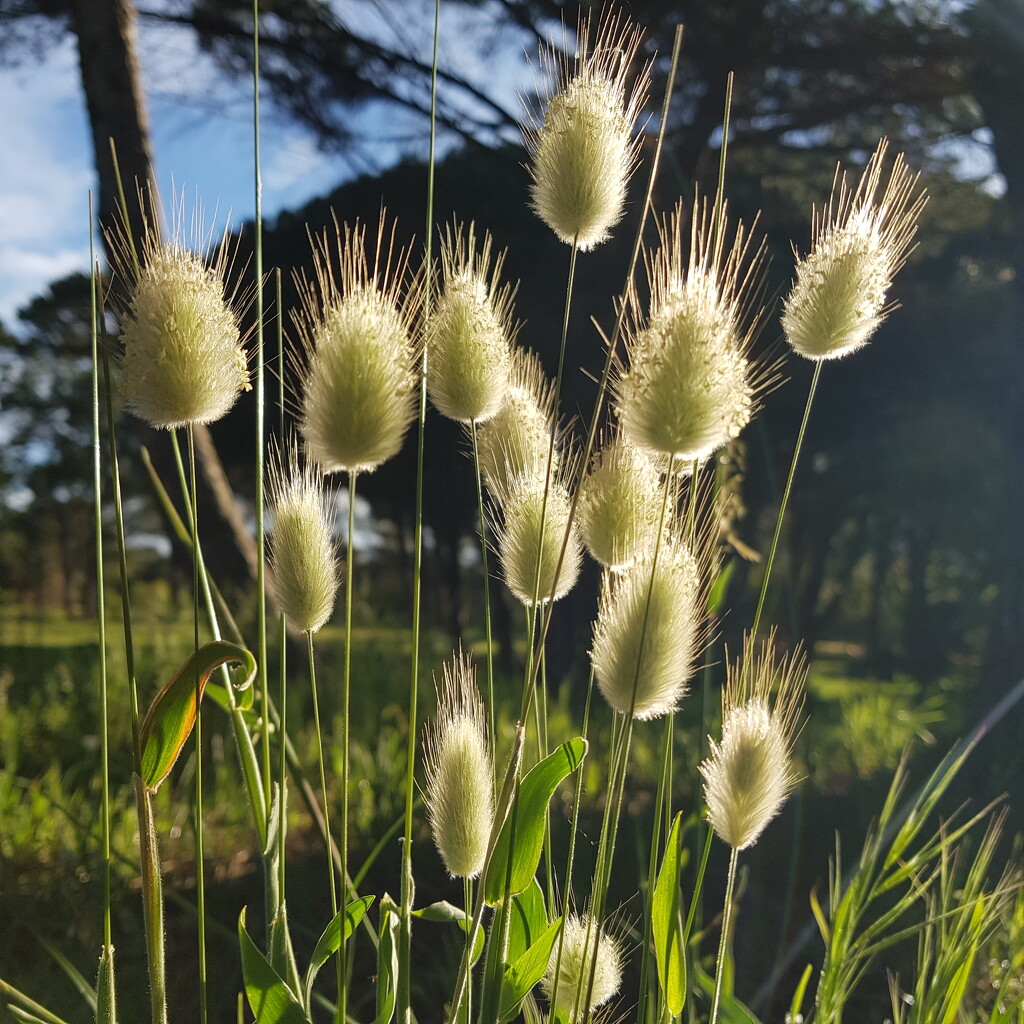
(202, 136)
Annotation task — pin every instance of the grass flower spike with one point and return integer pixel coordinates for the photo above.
(359, 388)
(654, 685)
(459, 776)
(514, 444)
(690, 386)
(572, 972)
(620, 500)
(583, 150)
(749, 773)
(303, 556)
(858, 243)
(183, 357)
(530, 542)
(468, 371)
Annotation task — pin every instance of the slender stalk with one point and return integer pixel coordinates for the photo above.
(785, 498)
(200, 872)
(467, 903)
(283, 628)
(323, 789)
(243, 741)
(282, 752)
(122, 553)
(345, 689)
(723, 942)
(491, 711)
(661, 802)
(261, 594)
(101, 615)
(152, 903)
(404, 1003)
(577, 799)
(620, 758)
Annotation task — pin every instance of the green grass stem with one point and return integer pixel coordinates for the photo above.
(200, 869)
(323, 789)
(491, 712)
(346, 682)
(785, 498)
(101, 614)
(404, 1003)
(261, 592)
(723, 942)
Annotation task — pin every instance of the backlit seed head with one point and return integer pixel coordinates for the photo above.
(183, 358)
(514, 444)
(567, 979)
(459, 776)
(303, 554)
(653, 685)
(359, 385)
(469, 364)
(582, 149)
(858, 243)
(750, 773)
(530, 538)
(690, 385)
(620, 505)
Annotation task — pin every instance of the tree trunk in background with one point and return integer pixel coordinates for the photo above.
(999, 84)
(106, 33)
(105, 30)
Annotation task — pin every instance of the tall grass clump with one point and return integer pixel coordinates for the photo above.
(524, 818)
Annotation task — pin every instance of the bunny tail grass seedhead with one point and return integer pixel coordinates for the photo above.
(468, 371)
(359, 385)
(582, 941)
(690, 386)
(749, 774)
(530, 535)
(303, 555)
(514, 444)
(653, 685)
(582, 149)
(858, 243)
(183, 361)
(619, 505)
(459, 775)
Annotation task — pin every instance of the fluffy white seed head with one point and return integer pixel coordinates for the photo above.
(566, 980)
(359, 385)
(619, 505)
(303, 555)
(514, 444)
(183, 357)
(653, 685)
(469, 364)
(690, 385)
(530, 538)
(459, 776)
(858, 242)
(582, 150)
(749, 773)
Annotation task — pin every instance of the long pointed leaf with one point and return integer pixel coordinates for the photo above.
(535, 792)
(525, 971)
(270, 999)
(172, 714)
(387, 962)
(667, 924)
(444, 912)
(106, 995)
(330, 942)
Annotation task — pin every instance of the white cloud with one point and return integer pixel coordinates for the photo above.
(44, 179)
